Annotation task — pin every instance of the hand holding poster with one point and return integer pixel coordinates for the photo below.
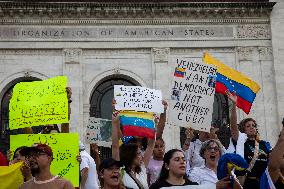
(39, 103)
(65, 148)
(99, 131)
(138, 99)
(192, 94)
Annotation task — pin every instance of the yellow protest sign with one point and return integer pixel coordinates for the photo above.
(11, 176)
(65, 148)
(39, 103)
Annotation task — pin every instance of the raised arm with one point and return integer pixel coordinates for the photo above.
(115, 138)
(65, 126)
(233, 121)
(276, 158)
(162, 121)
(149, 151)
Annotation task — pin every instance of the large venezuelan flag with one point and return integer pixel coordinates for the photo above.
(234, 81)
(137, 124)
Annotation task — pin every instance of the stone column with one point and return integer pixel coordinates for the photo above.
(72, 68)
(161, 81)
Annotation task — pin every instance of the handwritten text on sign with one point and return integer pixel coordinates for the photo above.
(99, 131)
(65, 148)
(39, 103)
(138, 99)
(192, 94)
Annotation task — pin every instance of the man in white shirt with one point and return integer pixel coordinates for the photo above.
(89, 176)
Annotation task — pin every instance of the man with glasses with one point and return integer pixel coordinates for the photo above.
(39, 158)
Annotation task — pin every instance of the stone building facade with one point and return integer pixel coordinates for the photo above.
(99, 44)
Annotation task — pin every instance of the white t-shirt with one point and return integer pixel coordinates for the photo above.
(92, 180)
(203, 175)
(142, 177)
(154, 169)
(240, 145)
(193, 158)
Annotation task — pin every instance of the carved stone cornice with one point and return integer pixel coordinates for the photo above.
(254, 31)
(161, 54)
(245, 53)
(265, 53)
(40, 12)
(72, 56)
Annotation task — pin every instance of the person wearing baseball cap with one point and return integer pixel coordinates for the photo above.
(109, 174)
(39, 158)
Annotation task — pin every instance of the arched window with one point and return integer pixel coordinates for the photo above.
(4, 113)
(101, 100)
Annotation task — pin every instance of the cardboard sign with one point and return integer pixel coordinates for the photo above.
(99, 131)
(192, 94)
(65, 148)
(39, 103)
(138, 99)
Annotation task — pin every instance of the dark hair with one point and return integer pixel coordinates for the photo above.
(160, 138)
(18, 149)
(165, 172)
(49, 128)
(243, 123)
(128, 153)
(206, 145)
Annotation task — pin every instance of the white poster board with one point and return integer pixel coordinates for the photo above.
(99, 131)
(204, 186)
(192, 94)
(138, 99)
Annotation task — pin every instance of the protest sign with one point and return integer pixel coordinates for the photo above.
(203, 186)
(138, 99)
(192, 94)
(99, 131)
(39, 103)
(65, 148)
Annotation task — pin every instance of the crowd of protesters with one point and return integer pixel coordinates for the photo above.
(133, 166)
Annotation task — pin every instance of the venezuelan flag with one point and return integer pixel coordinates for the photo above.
(11, 176)
(179, 72)
(234, 81)
(266, 181)
(137, 124)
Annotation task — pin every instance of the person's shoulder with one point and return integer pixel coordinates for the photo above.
(158, 184)
(188, 182)
(27, 184)
(64, 182)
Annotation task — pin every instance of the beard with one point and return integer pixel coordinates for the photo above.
(35, 171)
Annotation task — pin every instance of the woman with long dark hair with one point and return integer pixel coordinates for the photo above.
(130, 155)
(245, 142)
(173, 171)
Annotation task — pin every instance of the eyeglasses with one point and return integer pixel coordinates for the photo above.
(216, 149)
(35, 154)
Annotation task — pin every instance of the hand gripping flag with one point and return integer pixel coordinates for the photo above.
(137, 124)
(227, 163)
(234, 81)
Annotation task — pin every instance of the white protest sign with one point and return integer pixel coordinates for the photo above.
(192, 94)
(138, 99)
(203, 186)
(99, 131)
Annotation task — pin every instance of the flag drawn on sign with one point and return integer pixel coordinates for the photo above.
(179, 72)
(234, 81)
(138, 124)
